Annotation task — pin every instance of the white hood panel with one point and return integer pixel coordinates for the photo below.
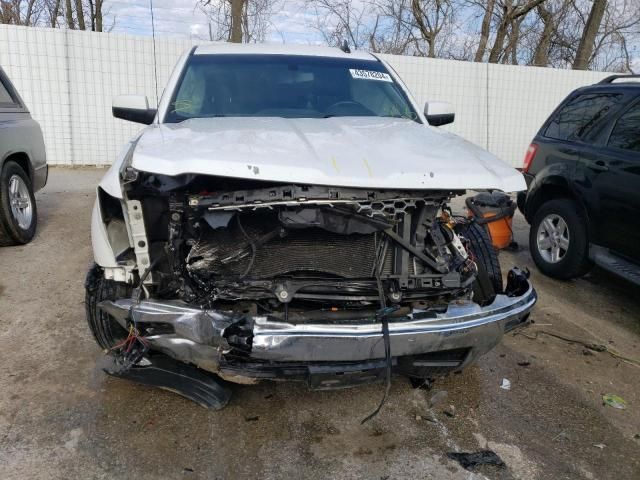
(340, 151)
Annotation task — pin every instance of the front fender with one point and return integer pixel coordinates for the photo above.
(102, 252)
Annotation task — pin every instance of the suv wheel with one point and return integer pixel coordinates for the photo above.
(558, 239)
(18, 214)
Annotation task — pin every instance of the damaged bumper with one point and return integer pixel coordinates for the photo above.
(201, 337)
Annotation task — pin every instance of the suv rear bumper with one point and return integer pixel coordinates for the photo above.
(198, 336)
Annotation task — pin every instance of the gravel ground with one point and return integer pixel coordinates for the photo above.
(61, 417)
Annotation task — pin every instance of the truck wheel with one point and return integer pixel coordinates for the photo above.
(105, 329)
(489, 281)
(558, 239)
(18, 214)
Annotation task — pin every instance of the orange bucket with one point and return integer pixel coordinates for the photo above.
(496, 211)
(500, 230)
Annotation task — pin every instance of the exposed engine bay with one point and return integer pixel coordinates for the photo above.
(298, 251)
(256, 280)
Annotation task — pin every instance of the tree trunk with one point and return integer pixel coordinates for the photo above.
(55, 11)
(511, 52)
(80, 15)
(98, 15)
(485, 30)
(585, 47)
(69, 14)
(29, 14)
(428, 33)
(236, 21)
(541, 55)
(92, 15)
(501, 34)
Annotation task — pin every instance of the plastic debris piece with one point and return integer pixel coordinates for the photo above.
(438, 397)
(470, 461)
(614, 401)
(450, 411)
(506, 384)
(599, 445)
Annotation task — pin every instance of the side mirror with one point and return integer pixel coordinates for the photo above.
(439, 113)
(134, 108)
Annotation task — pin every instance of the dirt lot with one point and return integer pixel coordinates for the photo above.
(61, 417)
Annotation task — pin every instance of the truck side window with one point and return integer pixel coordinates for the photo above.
(576, 117)
(626, 132)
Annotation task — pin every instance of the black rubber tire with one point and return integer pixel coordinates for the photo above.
(10, 232)
(489, 281)
(105, 329)
(576, 261)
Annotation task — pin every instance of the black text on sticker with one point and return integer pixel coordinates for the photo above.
(370, 75)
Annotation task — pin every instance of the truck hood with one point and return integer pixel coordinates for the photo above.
(367, 152)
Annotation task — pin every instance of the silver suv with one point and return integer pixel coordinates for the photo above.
(23, 167)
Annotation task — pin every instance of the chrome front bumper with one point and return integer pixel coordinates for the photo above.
(461, 326)
(198, 336)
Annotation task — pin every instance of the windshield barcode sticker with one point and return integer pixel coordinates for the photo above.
(370, 75)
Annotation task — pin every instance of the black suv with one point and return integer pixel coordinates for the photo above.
(583, 176)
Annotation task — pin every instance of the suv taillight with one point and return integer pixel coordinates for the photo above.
(528, 157)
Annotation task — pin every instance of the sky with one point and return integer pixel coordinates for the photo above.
(291, 23)
(182, 18)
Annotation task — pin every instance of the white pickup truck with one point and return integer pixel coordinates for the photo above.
(285, 215)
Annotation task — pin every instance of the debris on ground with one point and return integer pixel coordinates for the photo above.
(438, 397)
(524, 364)
(599, 445)
(614, 401)
(251, 419)
(594, 347)
(421, 383)
(562, 435)
(450, 411)
(506, 384)
(470, 461)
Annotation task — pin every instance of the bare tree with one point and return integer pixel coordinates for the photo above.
(586, 45)
(431, 16)
(485, 30)
(541, 54)
(394, 28)
(21, 12)
(351, 20)
(68, 13)
(53, 9)
(238, 20)
(509, 18)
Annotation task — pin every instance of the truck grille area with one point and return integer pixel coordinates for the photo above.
(228, 253)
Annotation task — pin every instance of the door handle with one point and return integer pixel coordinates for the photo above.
(599, 166)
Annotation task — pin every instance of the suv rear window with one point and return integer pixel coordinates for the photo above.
(579, 114)
(626, 132)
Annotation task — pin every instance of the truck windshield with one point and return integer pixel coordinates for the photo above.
(290, 86)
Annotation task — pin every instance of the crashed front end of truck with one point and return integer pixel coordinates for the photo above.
(254, 280)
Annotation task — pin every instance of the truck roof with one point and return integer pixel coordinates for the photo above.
(279, 49)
